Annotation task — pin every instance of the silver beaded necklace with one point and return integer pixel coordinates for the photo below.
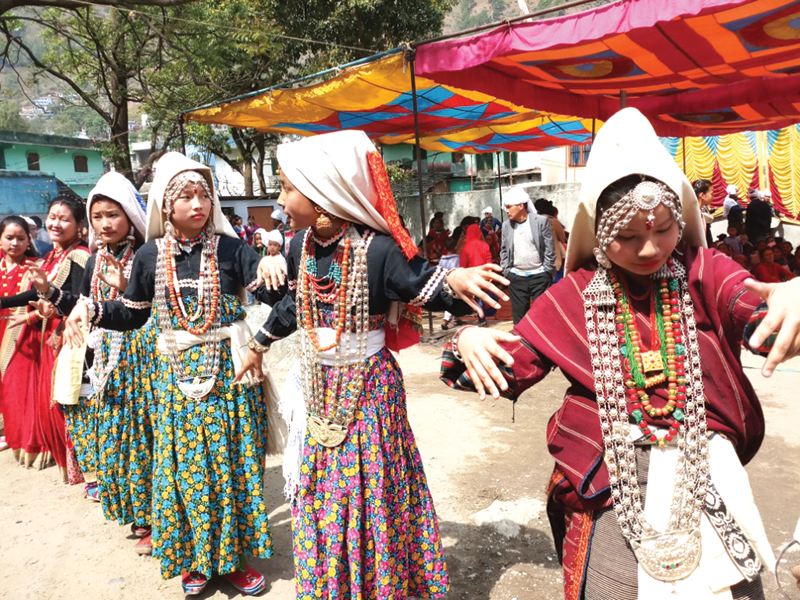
(673, 554)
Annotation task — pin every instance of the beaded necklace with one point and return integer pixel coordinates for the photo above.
(169, 302)
(348, 291)
(104, 366)
(674, 553)
(665, 312)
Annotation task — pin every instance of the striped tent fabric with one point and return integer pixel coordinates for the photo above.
(693, 67)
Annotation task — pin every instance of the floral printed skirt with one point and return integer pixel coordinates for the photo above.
(81, 420)
(363, 521)
(125, 418)
(208, 505)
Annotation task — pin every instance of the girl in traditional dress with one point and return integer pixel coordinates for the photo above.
(112, 430)
(18, 253)
(363, 523)
(208, 507)
(31, 369)
(648, 498)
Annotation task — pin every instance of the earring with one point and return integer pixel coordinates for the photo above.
(602, 258)
(323, 220)
(131, 234)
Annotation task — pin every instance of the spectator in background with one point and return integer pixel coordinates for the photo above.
(743, 261)
(489, 219)
(460, 232)
(797, 260)
(704, 190)
(35, 227)
(236, 221)
(759, 216)
(436, 238)
(789, 259)
(476, 253)
(450, 260)
(545, 208)
(732, 210)
(260, 242)
(527, 253)
(251, 228)
(768, 271)
(278, 219)
(437, 215)
(733, 240)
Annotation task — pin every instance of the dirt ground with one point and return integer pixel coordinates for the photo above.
(486, 474)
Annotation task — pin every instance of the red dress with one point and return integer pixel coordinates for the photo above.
(31, 368)
(13, 281)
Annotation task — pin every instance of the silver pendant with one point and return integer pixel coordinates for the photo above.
(197, 388)
(669, 556)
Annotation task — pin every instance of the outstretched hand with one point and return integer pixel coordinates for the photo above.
(783, 316)
(478, 282)
(252, 364)
(114, 275)
(73, 336)
(271, 272)
(480, 348)
(39, 279)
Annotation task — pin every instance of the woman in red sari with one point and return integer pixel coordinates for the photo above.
(32, 368)
(17, 253)
(648, 498)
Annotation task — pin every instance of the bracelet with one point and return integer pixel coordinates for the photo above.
(256, 347)
(446, 285)
(27, 317)
(51, 289)
(92, 308)
(454, 343)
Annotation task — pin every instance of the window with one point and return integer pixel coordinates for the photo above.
(2, 159)
(510, 160)
(423, 155)
(484, 162)
(457, 157)
(578, 155)
(33, 161)
(81, 163)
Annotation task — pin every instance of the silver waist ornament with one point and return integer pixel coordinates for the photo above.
(672, 554)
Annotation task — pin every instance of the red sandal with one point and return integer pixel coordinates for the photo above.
(193, 583)
(144, 547)
(249, 581)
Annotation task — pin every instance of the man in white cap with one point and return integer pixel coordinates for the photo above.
(487, 219)
(732, 210)
(527, 252)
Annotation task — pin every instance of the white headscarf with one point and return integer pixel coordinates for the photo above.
(118, 188)
(273, 236)
(167, 167)
(263, 233)
(516, 195)
(628, 145)
(278, 215)
(332, 171)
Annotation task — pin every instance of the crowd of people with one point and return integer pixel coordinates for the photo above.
(127, 362)
(749, 239)
(529, 246)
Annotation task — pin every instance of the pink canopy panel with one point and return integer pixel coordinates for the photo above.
(693, 67)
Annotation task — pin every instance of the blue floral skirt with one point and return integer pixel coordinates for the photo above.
(363, 521)
(208, 505)
(81, 420)
(125, 417)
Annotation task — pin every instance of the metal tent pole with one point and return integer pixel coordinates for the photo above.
(183, 133)
(421, 186)
(499, 181)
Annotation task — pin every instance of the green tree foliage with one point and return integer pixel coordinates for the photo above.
(9, 117)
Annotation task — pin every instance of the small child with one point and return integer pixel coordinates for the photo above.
(449, 260)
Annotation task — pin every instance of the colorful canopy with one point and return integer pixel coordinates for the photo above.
(694, 67)
(762, 160)
(376, 98)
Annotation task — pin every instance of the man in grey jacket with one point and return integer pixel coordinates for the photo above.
(527, 252)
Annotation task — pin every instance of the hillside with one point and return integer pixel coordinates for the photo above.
(473, 13)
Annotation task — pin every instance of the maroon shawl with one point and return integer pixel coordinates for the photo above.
(555, 332)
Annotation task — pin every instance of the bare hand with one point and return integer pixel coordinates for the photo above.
(783, 316)
(271, 272)
(54, 341)
(114, 273)
(73, 336)
(16, 319)
(796, 574)
(252, 364)
(478, 282)
(479, 349)
(39, 279)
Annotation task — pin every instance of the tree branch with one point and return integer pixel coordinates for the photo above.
(6, 5)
